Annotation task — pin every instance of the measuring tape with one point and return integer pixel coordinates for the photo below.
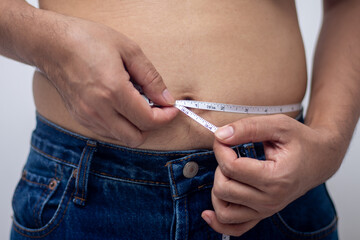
(184, 105)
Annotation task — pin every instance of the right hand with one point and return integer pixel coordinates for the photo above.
(92, 74)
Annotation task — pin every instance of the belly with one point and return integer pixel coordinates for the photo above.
(238, 52)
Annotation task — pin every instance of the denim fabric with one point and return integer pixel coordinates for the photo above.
(73, 187)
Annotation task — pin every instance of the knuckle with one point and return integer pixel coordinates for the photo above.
(86, 111)
(152, 76)
(251, 128)
(227, 169)
(283, 122)
(106, 94)
(133, 49)
(217, 190)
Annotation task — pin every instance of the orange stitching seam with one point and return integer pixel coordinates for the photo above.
(40, 184)
(79, 170)
(129, 179)
(84, 175)
(40, 230)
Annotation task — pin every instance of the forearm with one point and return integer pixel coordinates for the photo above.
(335, 96)
(30, 35)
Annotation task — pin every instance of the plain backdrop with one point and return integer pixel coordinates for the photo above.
(17, 120)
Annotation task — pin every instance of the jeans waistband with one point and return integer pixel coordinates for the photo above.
(59, 144)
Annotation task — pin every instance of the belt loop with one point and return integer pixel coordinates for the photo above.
(83, 173)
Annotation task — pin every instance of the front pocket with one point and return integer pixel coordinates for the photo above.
(39, 203)
(30, 197)
(312, 216)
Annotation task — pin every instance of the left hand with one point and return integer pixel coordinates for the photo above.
(246, 190)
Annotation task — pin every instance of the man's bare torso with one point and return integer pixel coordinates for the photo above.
(234, 51)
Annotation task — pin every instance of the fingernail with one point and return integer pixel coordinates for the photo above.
(224, 132)
(168, 98)
(206, 219)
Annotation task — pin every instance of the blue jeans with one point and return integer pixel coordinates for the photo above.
(73, 187)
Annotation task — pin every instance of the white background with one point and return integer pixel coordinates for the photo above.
(17, 119)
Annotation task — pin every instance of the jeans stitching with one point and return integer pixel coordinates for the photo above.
(51, 190)
(27, 180)
(52, 157)
(84, 175)
(80, 167)
(60, 130)
(173, 180)
(101, 173)
(192, 156)
(42, 230)
(143, 153)
(117, 148)
(37, 216)
(299, 236)
(130, 179)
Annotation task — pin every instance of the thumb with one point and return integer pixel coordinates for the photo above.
(143, 72)
(256, 129)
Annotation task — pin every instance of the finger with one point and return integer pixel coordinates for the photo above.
(145, 74)
(245, 170)
(256, 129)
(230, 191)
(118, 126)
(231, 213)
(229, 229)
(134, 107)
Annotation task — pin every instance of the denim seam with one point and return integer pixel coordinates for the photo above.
(82, 199)
(51, 190)
(143, 153)
(204, 185)
(173, 180)
(84, 175)
(104, 144)
(52, 157)
(60, 130)
(322, 233)
(193, 191)
(37, 216)
(79, 166)
(130, 179)
(41, 230)
(333, 222)
(94, 171)
(27, 180)
(192, 156)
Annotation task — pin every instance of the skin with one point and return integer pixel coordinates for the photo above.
(298, 157)
(78, 91)
(84, 85)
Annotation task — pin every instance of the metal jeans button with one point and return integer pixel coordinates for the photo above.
(190, 169)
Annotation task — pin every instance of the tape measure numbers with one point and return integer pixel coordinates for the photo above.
(184, 105)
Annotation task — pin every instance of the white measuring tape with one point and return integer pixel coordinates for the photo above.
(184, 105)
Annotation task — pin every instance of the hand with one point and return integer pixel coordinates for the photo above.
(93, 73)
(247, 190)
